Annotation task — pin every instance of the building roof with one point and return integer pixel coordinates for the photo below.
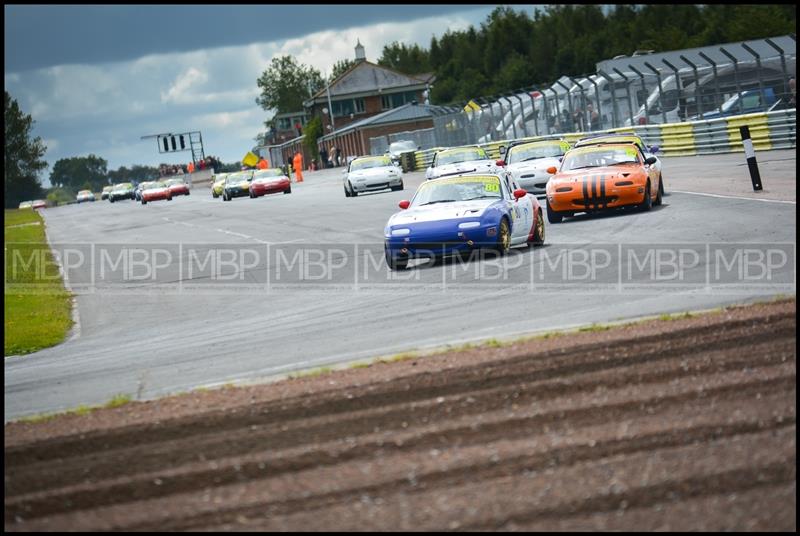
(406, 112)
(367, 77)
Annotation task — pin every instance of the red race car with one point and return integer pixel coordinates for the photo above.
(154, 191)
(177, 187)
(269, 181)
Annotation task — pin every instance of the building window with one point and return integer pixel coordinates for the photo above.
(359, 106)
(397, 99)
(284, 123)
(346, 107)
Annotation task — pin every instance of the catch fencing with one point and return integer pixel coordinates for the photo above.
(770, 130)
(677, 87)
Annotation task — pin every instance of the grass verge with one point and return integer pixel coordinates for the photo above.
(38, 310)
(116, 402)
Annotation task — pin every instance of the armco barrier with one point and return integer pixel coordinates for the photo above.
(769, 130)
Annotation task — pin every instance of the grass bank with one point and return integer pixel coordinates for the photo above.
(38, 309)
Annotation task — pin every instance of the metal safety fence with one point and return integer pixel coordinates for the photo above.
(769, 130)
(680, 87)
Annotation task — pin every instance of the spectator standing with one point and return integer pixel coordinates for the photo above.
(262, 163)
(594, 117)
(190, 167)
(323, 156)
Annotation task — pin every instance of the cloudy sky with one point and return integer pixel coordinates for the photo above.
(97, 78)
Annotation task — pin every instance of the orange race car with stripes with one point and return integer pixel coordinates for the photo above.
(603, 177)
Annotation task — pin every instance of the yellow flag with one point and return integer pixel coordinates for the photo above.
(250, 159)
(472, 106)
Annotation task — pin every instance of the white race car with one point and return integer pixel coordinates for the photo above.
(458, 160)
(528, 162)
(85, 195)
(371, 173)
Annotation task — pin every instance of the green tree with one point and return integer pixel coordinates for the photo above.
(339, 68)
(23, 156)
(511, 49)
(72, 173)
(313, 131)
(406, 59)
(286, 84)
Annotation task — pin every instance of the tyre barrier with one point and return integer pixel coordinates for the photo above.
(769, 130)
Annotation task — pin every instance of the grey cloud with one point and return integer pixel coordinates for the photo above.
(97, 34)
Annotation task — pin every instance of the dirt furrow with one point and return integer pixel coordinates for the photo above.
(563, 363)
(149, 458)
(687, 424)
(236, 470)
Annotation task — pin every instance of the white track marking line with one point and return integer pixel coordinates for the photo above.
(234, 233)
(734, 197)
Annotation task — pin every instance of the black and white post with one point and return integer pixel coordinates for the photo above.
(751, 158)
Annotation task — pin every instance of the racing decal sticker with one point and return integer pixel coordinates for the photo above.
(603, 200)
(585, 192)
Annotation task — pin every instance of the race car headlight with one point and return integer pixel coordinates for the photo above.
(469, 225)
(400, 232)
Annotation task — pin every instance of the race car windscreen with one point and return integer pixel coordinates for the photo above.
(266, 173)
(523, 153)
(154, 186)
(174, 182)
(592, 157)
(237, 178)
(367, 163)
(450, 190)
(460, 155)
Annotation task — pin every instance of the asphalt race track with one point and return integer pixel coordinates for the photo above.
(303, 289)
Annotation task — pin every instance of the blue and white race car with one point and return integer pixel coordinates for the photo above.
(456, 215)
(460, 160)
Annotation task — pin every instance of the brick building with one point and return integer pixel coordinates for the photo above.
(365, 90)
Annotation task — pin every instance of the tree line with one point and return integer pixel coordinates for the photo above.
(24, 162)
(511, 49)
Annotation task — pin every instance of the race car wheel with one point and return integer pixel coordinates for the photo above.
(169, 198)
(144, 202)
(251, 195)
(396, 263)
(397, 188)
(647, 202)
(214, 195)
(353, 192)
(225, 196)
(659, 197)
(346, 192)
(111, 199)
(188, 193)
(552, 215)
(288, 190)
(538, 232)
(503, 237)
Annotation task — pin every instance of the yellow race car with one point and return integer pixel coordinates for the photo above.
(219, 184)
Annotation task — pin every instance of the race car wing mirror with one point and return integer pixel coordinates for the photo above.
(519, 193)
(552, 170)
(502, 149)
(501, 163)
(404, 204)
(650, 161)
